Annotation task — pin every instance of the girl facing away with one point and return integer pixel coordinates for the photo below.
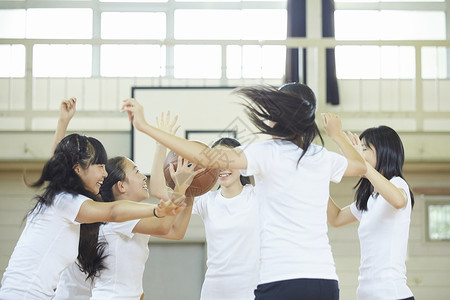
(292, 178)
(71, 180)
(383, 208)
(126, 247)
(230, 217)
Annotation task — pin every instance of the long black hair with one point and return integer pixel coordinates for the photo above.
(59, 176)
(291, 107)
(390, 156)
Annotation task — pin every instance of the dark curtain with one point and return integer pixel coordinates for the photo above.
(296, 57)
(328, 31)
(296, 27)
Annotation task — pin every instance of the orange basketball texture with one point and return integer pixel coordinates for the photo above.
(202, 182)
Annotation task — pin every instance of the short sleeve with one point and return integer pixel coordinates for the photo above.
(400, 183)
(122, 228)
(252, 153)
(69, 205)
(199, 205)
(338, 166)
(355, 211)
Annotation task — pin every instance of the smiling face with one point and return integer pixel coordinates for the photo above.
(135, 184)
(92, 177)
(227, 177)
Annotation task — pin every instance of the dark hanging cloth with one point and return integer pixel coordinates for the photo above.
(328, 31)
(296, 27)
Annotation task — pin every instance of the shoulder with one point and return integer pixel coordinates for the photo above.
(65, 199)
(399, 182)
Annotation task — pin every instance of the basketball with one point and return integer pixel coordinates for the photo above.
(202, 182)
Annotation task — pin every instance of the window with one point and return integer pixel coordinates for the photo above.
(131, 23)
(59, 23)
(12, 60)
(438, 219)
(132, 60)
(62, 60)
(389, 22)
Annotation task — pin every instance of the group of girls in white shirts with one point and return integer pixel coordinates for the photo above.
(264, 241)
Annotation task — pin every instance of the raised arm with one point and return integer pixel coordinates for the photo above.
(173, 228)
(395, 196)
(170, 227)
(333, 126)
(339, 217)
(193, 152)
(67, 110)
(158, 187)
(392, 194)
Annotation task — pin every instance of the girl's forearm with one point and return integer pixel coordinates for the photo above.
(189, 150)
(179, 226)
(197, 153)
(60, 133)
(124, 210)
(385, 188)
(356, 163)
(158, 186)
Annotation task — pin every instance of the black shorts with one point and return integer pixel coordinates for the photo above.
(298, 289)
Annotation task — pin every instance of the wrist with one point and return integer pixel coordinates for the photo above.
(156, 214)
(180, 190)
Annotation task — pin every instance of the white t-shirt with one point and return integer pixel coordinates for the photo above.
(47, 245)
(127, 253)
(232, 237)
(293, 208)
(73, 285)
(383, 234)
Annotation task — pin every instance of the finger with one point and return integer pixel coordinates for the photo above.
(130, 116)
(324, 119)
(174, 131)
(168, 116)
(174, 121)
(180, 160)
(171, 170)
(179, 200)
(198, 171)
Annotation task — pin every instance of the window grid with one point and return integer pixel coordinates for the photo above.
(438, 219)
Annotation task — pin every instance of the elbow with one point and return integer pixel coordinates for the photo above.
(177, 237)
(162, 230)
(334, 223)
(398, 204)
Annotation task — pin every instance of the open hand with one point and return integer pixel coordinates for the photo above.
(135, 112)
(354, 140)
(170, 207)
(183, 175)
(332, 124)
(164, 123)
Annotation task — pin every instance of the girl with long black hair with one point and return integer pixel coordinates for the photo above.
(383, 205)
(71, 180)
